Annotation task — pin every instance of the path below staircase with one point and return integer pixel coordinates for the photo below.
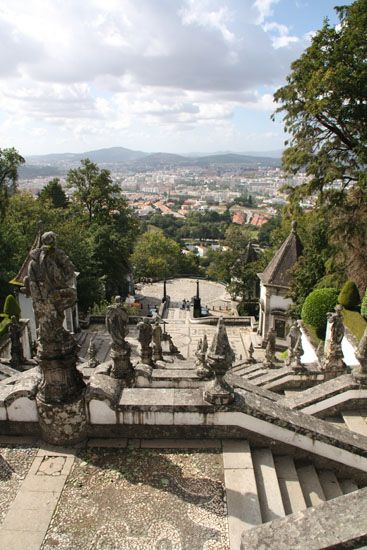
(262, 486)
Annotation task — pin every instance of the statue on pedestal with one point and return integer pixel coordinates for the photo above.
(333, 362)
(60, 403)
(145, 333)
(16, 350)
(117, 321)
(202, 369)
(157, 341)
(360, 372)
(270, 349)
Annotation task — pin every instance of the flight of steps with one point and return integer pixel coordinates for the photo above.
(271, 486)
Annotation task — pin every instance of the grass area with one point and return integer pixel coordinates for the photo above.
(311, 332)
(354, 322)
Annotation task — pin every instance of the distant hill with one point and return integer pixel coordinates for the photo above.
(113, 157)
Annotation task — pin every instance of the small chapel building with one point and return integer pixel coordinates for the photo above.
(275, 282)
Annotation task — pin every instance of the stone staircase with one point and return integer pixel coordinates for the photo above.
(263, 485)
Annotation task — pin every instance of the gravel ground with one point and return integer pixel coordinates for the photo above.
(14, 465)
(142, 499)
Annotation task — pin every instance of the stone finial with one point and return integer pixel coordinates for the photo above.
(219, 358)
(250, 351)
(360, 372)
(333, 362)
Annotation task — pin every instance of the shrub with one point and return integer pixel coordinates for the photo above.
(316, 307)
(349, 296)
(4, 323)
(364, 305)
(11, 307)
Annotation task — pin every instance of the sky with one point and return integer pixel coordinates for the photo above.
(178, 76)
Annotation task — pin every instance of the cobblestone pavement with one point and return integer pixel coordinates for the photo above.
(142, 499)
(15, 462)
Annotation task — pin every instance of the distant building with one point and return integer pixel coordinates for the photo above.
(275, 282)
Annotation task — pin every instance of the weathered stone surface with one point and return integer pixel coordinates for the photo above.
(103, 387)
(339, 523)
(117, 325)
(320, 392)
(62, 424)
(219, 360)
(238, 382)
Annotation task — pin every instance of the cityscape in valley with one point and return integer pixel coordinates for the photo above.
(183, 282)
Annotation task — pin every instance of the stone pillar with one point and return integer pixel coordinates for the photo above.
(197, 303)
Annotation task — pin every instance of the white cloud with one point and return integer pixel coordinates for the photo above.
(104, 66)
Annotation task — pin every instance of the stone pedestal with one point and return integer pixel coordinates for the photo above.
(64, 423)
(197, 308)
(121, 364)
(218, 392)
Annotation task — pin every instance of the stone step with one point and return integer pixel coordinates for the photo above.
(311, 486)
(348, 486)
(330, 484)
(270, 497)
(241, 491)
(290, 488)
(355, 422)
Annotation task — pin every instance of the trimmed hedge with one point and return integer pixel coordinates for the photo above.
(349, 296)
(11, 307)
(316, 307)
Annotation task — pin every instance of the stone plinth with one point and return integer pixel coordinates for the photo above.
(63, 424)
(218, 392)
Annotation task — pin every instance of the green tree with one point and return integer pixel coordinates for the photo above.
(156, 256)
(54, 192)
(94, 189)
(10, 160)
(316, 307)
(325, 113)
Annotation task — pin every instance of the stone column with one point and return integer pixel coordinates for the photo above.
(60, 397)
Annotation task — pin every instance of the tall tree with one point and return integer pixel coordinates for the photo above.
(94, 189)
(325, 113)
(156, 255)
(10, 160)
(54, 192)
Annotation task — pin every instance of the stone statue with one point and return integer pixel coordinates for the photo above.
(145, 333)
(92, 354)
(117, 321)
(297, 352)
(360, 372)
(202, 369)
(333, 362)
(270, 349)
(60, 403)
(251, 358)
(157, 341)
(293, 335)
(16, 351)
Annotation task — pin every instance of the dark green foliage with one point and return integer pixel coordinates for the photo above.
(364, 305)
(11, 307)
(55, 193)
(4, 323)
(10, 160)
(316, 307)
(349, 296)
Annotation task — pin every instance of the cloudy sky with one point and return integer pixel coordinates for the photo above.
(156, 75)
